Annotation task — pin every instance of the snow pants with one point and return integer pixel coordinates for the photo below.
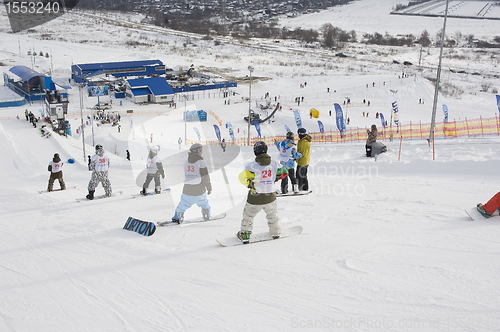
(284, 182)
(151, 176)
(302, 177)
(188, 201)
(493, 204)
(101, 177)
(53, 178)
(271, 210)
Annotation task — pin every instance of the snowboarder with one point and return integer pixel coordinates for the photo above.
(372, 138)
(197, 185)
(128, 155)
(179, 141)
(56, 172)
(303, 147)
(489, 208)
(154, 170)
(99, 164)
(288, 155)
(259, 176)
(223, 145)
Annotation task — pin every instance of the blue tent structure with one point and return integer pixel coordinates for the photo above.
(29, 83)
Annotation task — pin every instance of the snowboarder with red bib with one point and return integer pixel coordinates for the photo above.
(259, 176)
(55, 169)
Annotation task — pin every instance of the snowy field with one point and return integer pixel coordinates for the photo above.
(386, 244)
(471, 9)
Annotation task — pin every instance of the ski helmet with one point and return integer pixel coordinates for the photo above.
(196, 148)
(56, 155)
(289, 135)
(98, 147)
(154, 148)
(302, 132)
(259, 148)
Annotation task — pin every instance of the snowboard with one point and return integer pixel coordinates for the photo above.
(145, 228)
(190, 221)
(152, 193)
(260, 237)
(118, 193)
(45, 191)
(474, 214)
(300, 193)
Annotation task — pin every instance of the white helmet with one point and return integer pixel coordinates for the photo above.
(154, 148)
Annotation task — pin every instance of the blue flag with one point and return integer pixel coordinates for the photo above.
(298, 120)
(445, 110)
(340, 116)
(230, 127)
(257, 126)
(321, 128)
(197, 133)
(287, 129)
(395, 109)
(498, 102)
(382, 119)
(217, 131)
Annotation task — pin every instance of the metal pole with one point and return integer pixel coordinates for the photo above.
(250, 68)
(436, 91)
(81, 114)
(185, 120)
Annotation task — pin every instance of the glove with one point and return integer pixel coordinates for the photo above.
(163, 176)
(209, 192)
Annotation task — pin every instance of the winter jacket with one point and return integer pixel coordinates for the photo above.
(288, 153)
(99, 162)
(304, 148)
(372, 136)
(55, 165)
(154, 164)
(259, 176)
(196, 178)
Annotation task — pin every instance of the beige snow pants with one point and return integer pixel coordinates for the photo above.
(271, 210)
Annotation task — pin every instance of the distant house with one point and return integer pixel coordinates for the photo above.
(148, 90)
(80, 72)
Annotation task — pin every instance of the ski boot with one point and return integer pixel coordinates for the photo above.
(175, 220)
(206, 214)
(143, 192)
(180, 215)
(158, 190)
(276, 237)
(91, 194)
(295, 189)
(244, 236)
(481, 210)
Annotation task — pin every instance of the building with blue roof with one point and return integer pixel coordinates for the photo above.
(80, 72)
(149, 90)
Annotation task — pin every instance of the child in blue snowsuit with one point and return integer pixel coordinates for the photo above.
(196, 185)
(287, 156)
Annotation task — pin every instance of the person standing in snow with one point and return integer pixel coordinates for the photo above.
(197, 185)
(55, 169)
(154, 170)
(99, 164)
(304, 148)
(372, 138)
(259, 176)
(288, 155)
(223, 145)
(179, 141)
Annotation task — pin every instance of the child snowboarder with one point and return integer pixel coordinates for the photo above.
(259, 176)
(288, 155)
(55, 169)
(99, 164)
(155, 169)
(304, 148)
(196, 185)
(372, 138)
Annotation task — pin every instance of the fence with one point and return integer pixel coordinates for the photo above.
(412, 131)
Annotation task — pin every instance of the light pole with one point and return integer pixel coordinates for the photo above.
(185, 119)
(250, 69)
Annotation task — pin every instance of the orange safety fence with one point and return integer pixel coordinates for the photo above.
(413, 131)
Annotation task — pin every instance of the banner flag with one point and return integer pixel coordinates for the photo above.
(298, 120)
(287, 129)
(197, 133)
(257, 126)
(340, 116)
(382, 119)
(321, 127)
(498, 102)
(395, 109)
(217, 131)
(231, 132)
(445, 110)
